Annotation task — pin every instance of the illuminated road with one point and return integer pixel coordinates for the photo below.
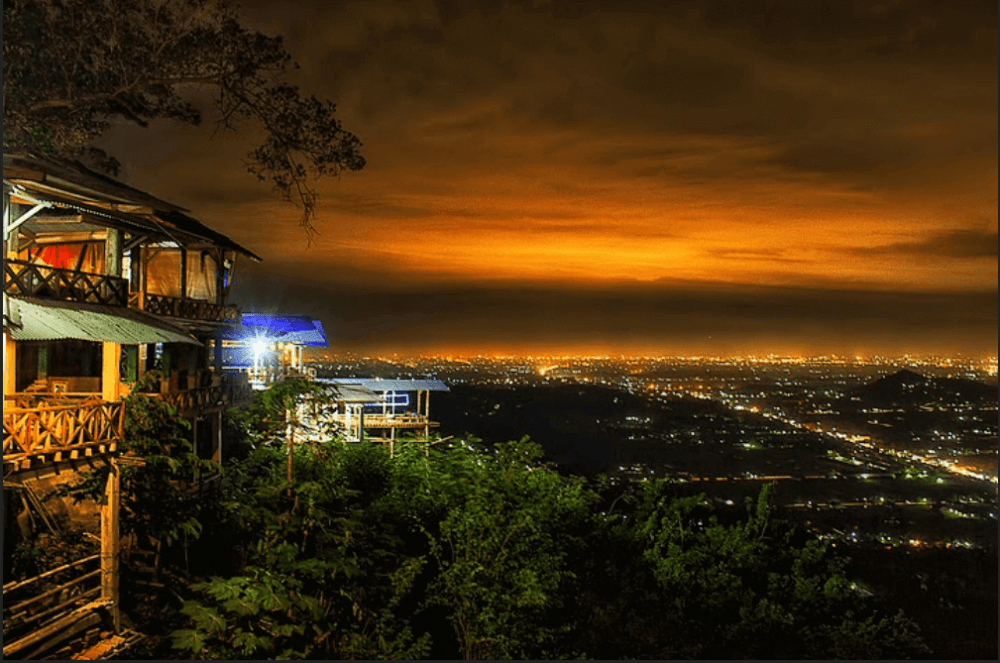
(861, 448)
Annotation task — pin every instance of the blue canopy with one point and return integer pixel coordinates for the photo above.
(297, 329)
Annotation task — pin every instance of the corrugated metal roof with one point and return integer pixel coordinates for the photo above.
(72, 185)
(352, 393)
(113, 218)
(73, 176)
(382, 385)
(43, 320)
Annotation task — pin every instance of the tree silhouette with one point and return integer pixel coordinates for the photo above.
(74, 68)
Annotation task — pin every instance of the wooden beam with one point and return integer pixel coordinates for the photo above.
(9, 587)
(184, 273)
(111, 376)
(9, 364)
(113, 252)
(56, 632)
(217, 437)
(80, 237)
(110, 545)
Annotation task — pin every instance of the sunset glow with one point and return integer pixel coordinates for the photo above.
(522, 157)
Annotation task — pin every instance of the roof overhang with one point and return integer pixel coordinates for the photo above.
(293, 329)
(45, 320)
(383, 385)
(355, 394)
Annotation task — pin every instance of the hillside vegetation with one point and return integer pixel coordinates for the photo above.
(465, 550)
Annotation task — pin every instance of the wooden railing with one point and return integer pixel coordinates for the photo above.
(387, 420)
(61, 432)
(191, 309)
(36, 605)
(26, 278)
(229, 393)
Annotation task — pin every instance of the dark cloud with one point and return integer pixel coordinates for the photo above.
(765, 255)
(947, 244)
(704, 138)
(364, 315)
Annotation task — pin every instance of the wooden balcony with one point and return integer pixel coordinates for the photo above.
(33, 280)
(189, 309)
(203, 399)
(54, 433)
(387, 421)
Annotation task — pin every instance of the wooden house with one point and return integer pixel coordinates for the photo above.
(401, 404)
(102, 283)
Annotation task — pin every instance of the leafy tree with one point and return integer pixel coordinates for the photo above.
(307, 589)
(267, 417)
(153, 508)
(503, 553)
(366, 556)
(72, 68)
(750, 589)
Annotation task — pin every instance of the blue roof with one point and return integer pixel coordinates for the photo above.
(297, 329)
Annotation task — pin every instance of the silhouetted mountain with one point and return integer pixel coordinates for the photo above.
(906, 387)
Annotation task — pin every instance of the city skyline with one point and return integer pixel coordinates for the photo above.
(625, 178)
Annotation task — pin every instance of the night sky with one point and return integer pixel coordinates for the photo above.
(612, 177)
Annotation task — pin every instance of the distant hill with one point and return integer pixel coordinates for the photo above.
(907, 387)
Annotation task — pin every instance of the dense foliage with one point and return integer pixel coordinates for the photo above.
(457, 549)
(155, 507)
(463, 550)
(73, 68)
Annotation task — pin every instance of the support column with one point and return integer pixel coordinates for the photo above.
(113, 252)
(110, 545)
(217, 437)
(427, 413)
(348, 422)
(111, 377)
(9, 364)
(217, 355)
(194, 434)
(184, 275)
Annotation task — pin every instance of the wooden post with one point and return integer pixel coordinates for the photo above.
(217, 355)
(184, 273)
(194, 441)
(10, 236)
(9, 364)
(111, 376)
(110, 544)
(220, 279)
(290, 436)
(217, 437)
(427, 414)
(113, 252)
(135, 259)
